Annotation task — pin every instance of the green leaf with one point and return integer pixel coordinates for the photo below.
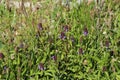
(117, 77)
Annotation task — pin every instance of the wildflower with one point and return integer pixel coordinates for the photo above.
(107, 43)
(85, 62)
(62, 36)
(54, 58)
(4, 67)
(104, 68)
(85, 31)
(21, 45)
(80, 51)
(65, 28)
(104, 32)
(41, 66)
(40, 26)
(1, 55)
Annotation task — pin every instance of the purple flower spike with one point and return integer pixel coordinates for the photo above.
(62, 36)
(107, 44)
(66, 28)
(104, 68)
(1, 55)
(5, 67)
(40, 26)
(21, 45)
(54, 58)
(85, 31)
(41, 66)
(80, 51)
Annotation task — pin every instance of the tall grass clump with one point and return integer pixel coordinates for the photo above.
(56, 41)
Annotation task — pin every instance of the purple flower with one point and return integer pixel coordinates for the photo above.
(21, 45)
(62, 36)
(80, 51)
(107, 43)
(104, 68)
(5, 67)
(40, 26)
(54, 57)
(41, 66)
(65, 28)
(85, 31)
(1, 55)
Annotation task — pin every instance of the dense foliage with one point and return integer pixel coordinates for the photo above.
(57, 42)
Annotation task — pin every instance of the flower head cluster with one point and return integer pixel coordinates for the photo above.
(66, 28)
(54, 58)
(62, 36)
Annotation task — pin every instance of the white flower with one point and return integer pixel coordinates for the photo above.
(104, 32)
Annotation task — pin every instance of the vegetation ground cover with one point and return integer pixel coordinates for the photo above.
(60, 42)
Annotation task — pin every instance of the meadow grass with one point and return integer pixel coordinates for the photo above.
(60, 42)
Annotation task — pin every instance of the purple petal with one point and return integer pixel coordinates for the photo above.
(62, 36)
(1, 55)
(80, 51)
(41, 66)
(40, 26)
(85, 31)
(66, 28)
(107, 44)
(54, 58)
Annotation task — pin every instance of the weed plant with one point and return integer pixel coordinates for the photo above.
(57, 42)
